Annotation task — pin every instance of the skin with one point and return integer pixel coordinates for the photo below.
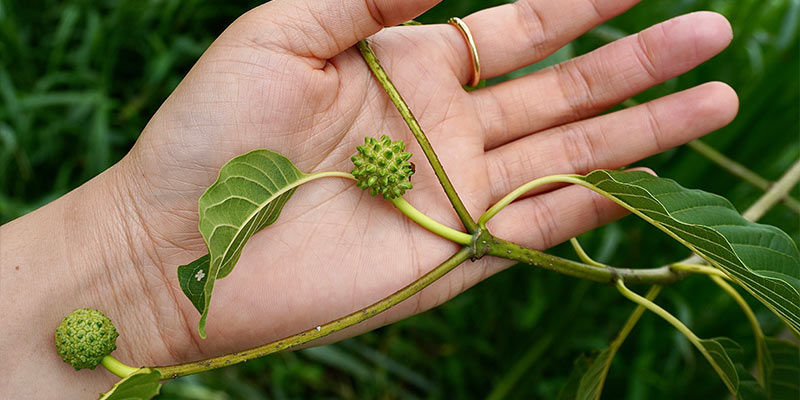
(285, 77)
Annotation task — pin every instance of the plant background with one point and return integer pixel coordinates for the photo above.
(79, 79)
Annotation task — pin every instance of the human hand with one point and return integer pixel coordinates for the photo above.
(285, 77)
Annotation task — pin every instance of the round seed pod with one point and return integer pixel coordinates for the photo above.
(382, 166)
(84, 337)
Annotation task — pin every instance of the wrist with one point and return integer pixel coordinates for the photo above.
(127, 268)
(86, 249)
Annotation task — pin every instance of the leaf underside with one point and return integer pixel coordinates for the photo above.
(761, 258)
(720, 350)
(144, 384)
(783, 369)
(248, 195)
(192, 278)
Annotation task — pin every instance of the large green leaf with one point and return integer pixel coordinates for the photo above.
(144, 384)
(760, 258)
(248, 195)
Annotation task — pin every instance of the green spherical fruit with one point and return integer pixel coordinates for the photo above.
(382, 167)
(84, 337)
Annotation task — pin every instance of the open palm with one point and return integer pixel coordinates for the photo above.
(286, 77)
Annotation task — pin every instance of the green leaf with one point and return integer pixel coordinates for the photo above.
(144, 384)
(749, 389)
(579, 370)
(590, 385)
(192, 278)
(783, 369)
(590, 382)
(761, 258)
(718, 349)
(586, 380)
(248, 195)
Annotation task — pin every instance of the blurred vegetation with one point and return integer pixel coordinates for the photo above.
(79, 80)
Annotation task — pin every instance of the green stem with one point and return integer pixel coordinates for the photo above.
(506, 386)
(405, 112)
(516, 193)
(734, 168)
(633, 319)
(576, 245)
(656, 309)
(430, 224)
(175, 371)
(328, 174)
(117, 368)
(409, 211)
(741, 172)
(751, 317)
(778, 191)
(501, 248)
(698, 269)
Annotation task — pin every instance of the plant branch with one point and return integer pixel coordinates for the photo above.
(405, 112)
(501, 248)
(656, 309)
(364, 314)
(431, 224)
(741, 172)
(778, 191)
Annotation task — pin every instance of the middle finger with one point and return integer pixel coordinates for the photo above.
(586, 85)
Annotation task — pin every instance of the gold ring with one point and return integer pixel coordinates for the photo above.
(467, 35)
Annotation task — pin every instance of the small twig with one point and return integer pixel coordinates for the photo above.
(778, 191)
(741, 171)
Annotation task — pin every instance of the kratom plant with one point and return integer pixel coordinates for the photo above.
(252, 189)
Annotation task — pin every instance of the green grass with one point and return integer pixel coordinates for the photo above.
(79, 79)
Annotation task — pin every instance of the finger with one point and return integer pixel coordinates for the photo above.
(322, 29)
(612, 140)
(543, 221)
(511, 36)
(593, 82)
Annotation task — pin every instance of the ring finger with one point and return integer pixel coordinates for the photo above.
(514, 35)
